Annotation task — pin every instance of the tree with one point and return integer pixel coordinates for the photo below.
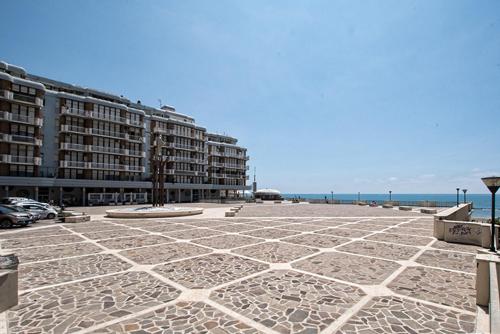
(158, 162)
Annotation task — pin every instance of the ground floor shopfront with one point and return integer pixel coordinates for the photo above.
(86, 192)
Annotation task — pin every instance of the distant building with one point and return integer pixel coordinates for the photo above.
(61, 142)
(268, 194)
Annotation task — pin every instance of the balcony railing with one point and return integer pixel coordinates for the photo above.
(73, 128)
(136, 138)
(105, 149)
(134, 153)
(107, 133)
(217, 164)
(72, 147)
(21, 160)
(74, 112)
(21, 118)
(72, 164)
(186, 159)
(5, 94)
(109, 118)
(27, 98)
(12, 138)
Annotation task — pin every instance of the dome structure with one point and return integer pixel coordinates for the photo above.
(268, 194)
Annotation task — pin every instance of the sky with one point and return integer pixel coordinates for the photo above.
(326, 95)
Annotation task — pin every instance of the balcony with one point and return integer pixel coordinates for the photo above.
(137, 169)
(8, 95)
(27, 99)
(137, 123)
(136, 138)
(236, 166)
(20, 139)
(72, 147)
(74, 112)
(105, 149)
(20, 160)
(109, 118)
(186, 159)
(107, 133)
(73, 129)
(36, 121)
(72, 164)
(181, 146)
(217, 175)
(134, 153)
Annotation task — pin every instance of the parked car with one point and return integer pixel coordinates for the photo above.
(33, 215)
(12, 200)
(11, 217)
(45, 211)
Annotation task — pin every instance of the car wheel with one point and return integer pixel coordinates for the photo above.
(51, 216)
(5, 223)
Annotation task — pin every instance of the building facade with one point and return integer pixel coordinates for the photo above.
(69, 144)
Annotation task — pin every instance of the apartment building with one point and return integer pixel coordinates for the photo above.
(62, 142)
(227, 162)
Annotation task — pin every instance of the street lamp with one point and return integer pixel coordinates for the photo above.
(492, 183)
(458, 189)
(359, 197)
(332, 196)
(390, 195)
(465, 196)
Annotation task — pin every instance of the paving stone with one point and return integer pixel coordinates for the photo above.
(194, 233)
(448, 260)
(29, 232)
(316, 240)
(184, 317)
(270, 233)
(92, 227)
(397, 315)
(275, 252)
(410, 231)
(419, 224)
(288, 301)
(235, 228)
(35, 275)
(345, 232)
(135, 241)
(161, 228)
(379, 249)
(27, 255)
(76, 306)
(402, 239)
(366, 226)
(270, 223)
(209, 223)
(455, 247)
(307, 227)
(227, 241)
(210, 270)
(163, 253)
(349, 268)
(110, 234)
(40, 241)
(438, 286)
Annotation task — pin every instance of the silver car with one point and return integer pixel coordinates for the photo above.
(44, 211)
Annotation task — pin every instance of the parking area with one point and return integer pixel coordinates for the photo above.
(242, 275)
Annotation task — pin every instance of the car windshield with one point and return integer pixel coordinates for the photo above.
(7, 209)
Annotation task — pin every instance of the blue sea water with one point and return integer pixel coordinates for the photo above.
(481, 202)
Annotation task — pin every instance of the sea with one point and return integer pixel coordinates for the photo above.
(481, 202)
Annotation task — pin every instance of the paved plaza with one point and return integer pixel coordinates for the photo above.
(273, 274)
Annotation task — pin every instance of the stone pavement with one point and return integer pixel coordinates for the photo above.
(242, 275)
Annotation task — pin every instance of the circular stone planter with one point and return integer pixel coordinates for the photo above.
(150, 212)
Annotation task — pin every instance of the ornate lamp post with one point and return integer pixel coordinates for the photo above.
(332, 196)
(492, 183)
(390, 195)
(458, 189)
(465, 196)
